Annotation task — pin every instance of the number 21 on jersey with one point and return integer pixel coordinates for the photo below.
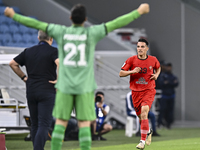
(73, 51)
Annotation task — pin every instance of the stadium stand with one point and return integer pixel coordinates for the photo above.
(7, 38)
(23, 29)
(16, 35)
(22, 44)
(10, 44)
(13, 92)
(128, 36)
(3, 20)
(1, 3)
(16, 9)
(54, 44)
(13, 29)
(1, 38)
(4, 29)
(34, 38)
(27, 37)
(2, 9)
(33, 31)
(8, 21)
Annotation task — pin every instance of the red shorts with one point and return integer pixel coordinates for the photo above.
(142, 98)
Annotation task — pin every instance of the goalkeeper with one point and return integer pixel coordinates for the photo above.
(76, 83)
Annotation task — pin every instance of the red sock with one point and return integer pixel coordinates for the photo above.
(144, 129)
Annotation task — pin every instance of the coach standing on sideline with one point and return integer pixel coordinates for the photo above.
(41, 62)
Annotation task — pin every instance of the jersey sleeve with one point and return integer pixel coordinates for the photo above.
(107, 109)
(127, 65)
(122, 21)
(97, 32)
(55, 31)
(157, 63)
(20, 59)
(30, 22)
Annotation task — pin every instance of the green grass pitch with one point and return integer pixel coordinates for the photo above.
(174, 139)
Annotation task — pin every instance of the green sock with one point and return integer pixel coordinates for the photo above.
(85, 138)
(57, 137)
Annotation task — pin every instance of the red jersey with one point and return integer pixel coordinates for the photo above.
(141, 81)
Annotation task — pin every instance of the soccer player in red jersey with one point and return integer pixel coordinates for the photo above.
(143, 70)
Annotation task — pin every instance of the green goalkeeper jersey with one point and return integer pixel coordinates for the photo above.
(76, 45)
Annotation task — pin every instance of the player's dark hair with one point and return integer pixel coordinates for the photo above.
(43, 36)
(99, 92)
(78, 14)
(144, 40)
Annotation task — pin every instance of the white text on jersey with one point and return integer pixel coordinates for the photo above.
(73, 37)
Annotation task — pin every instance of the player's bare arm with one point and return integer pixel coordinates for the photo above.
(124, 73)
(15, 67)
(156, 74)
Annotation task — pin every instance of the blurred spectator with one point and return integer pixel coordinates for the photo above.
(71, 132)
(162, 65)
(167, 82)
(99, 126)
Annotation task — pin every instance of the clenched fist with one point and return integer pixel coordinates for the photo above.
(143, 9)
(9, 12)
(136, 70)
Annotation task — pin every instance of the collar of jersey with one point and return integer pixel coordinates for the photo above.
(142, 59)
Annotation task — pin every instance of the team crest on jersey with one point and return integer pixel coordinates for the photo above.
(141, 81)
(150, 67)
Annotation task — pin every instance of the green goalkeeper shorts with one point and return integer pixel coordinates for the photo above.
(84, 106)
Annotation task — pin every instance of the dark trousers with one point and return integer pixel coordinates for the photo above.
(166, 111)
(40, 108)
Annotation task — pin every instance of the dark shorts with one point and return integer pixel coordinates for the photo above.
(101, 128)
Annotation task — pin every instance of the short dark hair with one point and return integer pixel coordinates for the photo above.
(143, 40)
(78, 14)
(43, 36)
(99, 92)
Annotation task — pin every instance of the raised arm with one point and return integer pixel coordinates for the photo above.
(27, 21)
(127, 18)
